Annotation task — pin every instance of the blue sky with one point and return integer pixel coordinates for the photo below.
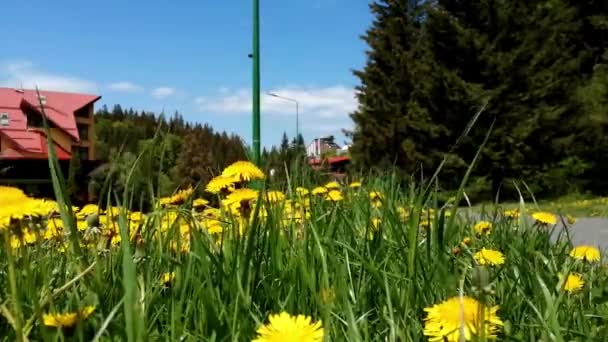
(191, 56)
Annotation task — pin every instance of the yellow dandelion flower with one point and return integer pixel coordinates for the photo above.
(376, 221)
(303, 203)
(82, 225)
(489, 257)
(67, 320)
(136, 216)
(241, 196)
(332, 185)
(302, 191)
(334, 196)
(586, 253)
(179, 198)
(295, 215)
(570, 219)
(25, 208)
(375, 196)
(54, 229)
(89, 209)
(573, 283)
(275, 196)
(404, 213)
(243, 171)
(167, 278)
(214, 227)
(234, 208)
(355, 185)
(428, 213)
(113, 211)
(467, 241)
(220, 183)
(426, 224)
(319, 190)
(512, 214)
(25, 237)
(483, 227)
(212, 213)
(445, 321)
(181, 246)
(9, 195)
(544, 218)
(283, 327)
(199, 203)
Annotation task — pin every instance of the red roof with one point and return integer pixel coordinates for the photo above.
(31, 144)
(59, 108)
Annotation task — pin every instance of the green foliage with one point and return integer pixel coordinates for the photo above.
(205, 153)
(157, 155)
(537, 68)
(289, 156)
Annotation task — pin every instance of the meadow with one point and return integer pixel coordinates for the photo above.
(367, 260)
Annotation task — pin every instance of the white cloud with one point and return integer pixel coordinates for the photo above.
(125, 87)
(27, 75)
(162, 92)
(327, 103)
(327, 128)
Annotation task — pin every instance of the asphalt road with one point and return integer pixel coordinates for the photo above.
(589, 231)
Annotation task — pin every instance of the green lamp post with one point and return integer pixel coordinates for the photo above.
(256, 82)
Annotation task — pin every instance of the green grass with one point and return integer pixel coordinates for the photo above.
(575, 205)
(365, 285)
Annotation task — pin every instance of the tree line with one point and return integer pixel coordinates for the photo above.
(151, 154)
(525, 83)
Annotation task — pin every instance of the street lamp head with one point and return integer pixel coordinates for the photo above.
(272, 94)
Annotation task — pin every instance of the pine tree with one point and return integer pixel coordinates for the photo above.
(284, 143)
(535, 66)
(392, 123)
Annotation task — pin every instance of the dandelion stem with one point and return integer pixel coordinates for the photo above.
(12, 278)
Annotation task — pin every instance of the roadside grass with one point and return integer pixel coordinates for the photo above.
(573, 205)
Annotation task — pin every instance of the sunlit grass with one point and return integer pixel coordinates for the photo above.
(576, 206)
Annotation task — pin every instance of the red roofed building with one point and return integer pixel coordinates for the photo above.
(324, 153)
(69, 116)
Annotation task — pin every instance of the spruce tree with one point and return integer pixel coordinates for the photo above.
(393, 124)
(535, 67)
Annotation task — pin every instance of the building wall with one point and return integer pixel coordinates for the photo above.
(318, 147)
(4, 143)
(60, 137)
(92, 138)
(312, 149)
(90, 121)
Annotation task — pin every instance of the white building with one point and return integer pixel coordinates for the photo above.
(322, 145)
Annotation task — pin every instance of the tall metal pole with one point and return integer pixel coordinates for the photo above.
(297, 110)
(256, 82)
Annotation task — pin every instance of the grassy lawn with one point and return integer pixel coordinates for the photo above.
(576, 206)
(370, 262)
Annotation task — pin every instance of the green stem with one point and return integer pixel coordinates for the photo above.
(12, 279)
